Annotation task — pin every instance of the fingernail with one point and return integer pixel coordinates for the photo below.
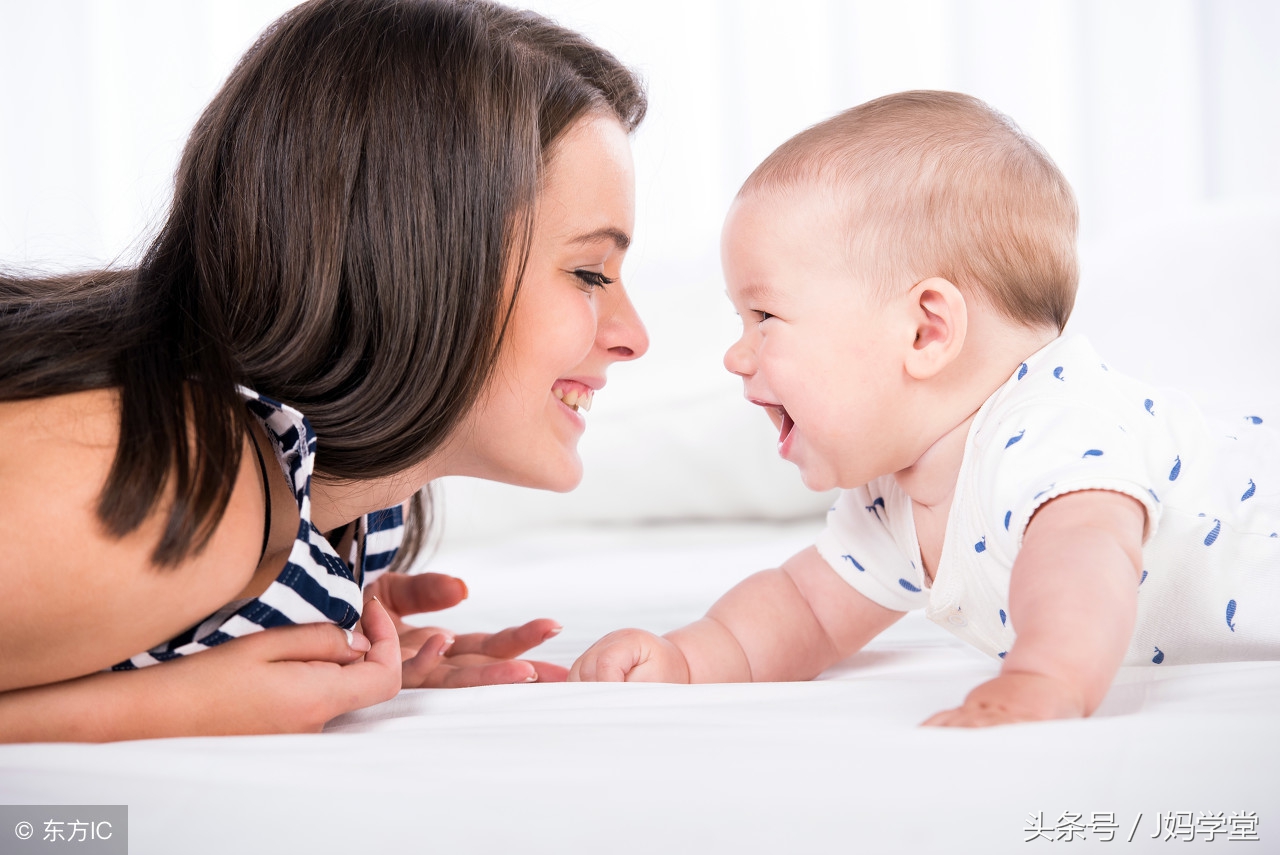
(357, 642)
(532, 678)
(448, 642)
(465, 592)
(553, 632)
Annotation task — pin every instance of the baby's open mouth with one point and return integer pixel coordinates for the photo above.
(784, 430)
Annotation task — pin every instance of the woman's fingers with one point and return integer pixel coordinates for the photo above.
(382, 635)
(508, 643)
(498, 673)
(432, 669)
(550, 673)
(310, 642)
(376, 678)
(421, 592)
(415, 672)
(295, 678)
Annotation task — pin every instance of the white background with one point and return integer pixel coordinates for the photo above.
(1163, 114)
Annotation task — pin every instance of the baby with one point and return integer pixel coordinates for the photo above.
(904, 272)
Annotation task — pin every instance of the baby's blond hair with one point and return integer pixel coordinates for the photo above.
(940, 184)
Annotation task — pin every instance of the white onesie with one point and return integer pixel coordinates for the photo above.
(1210, 588)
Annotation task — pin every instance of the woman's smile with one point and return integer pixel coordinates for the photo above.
(572, 319)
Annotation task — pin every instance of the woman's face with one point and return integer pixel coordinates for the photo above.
(572, 319)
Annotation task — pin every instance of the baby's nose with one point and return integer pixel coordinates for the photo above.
(739, 359)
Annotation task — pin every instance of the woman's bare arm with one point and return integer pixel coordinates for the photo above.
(285, 680)
(74, 598)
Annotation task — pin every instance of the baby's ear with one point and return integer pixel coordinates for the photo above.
(941, 319)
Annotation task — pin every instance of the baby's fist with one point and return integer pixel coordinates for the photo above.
(631, 656)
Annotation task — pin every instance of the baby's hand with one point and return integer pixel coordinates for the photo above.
(1013, 697)
(631, 656)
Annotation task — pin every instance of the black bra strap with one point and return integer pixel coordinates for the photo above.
(266, 489)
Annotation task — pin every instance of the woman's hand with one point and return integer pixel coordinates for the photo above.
(294, 679)
(437, 658)
(289, 679)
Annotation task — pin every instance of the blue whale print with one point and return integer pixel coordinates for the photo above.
(1257, 420)
(1231, 613)
(904, 583)
(1002, 653)
(1093, 452)
(1177, 468)
(981, 546)
(855, 563)
(1213, 535)
(876, 506)
(1007, 516)
(1149, 404)
(1248, 494)
(1144, 577)
(1017, 437)
(1004, 618)
(1057, 372)
(1022, 371)
(1158, 658)
(1153, 495)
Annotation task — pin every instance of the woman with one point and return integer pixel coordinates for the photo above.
(393, 254)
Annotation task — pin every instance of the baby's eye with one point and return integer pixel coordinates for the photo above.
(764, 316)
(593, 279)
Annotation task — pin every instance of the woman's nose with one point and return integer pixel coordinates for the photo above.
(624, 335)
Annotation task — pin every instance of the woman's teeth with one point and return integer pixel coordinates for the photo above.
(575, 399)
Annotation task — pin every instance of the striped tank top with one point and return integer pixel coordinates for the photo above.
(316, 585)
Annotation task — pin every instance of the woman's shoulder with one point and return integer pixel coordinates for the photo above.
(84, 598)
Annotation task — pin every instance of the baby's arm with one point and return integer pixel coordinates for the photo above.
(1073, 599)
(789, 623)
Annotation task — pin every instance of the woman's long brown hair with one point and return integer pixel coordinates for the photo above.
(346, 212)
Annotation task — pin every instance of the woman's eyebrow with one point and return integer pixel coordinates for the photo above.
(620, 238)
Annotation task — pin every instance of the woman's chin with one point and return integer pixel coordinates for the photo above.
(565, 480)
(560, 476)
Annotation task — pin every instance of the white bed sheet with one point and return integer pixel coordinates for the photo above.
(834, 765)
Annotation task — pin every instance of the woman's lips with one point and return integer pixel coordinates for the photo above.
(573, 394)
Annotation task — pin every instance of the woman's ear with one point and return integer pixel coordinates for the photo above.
(941, 319)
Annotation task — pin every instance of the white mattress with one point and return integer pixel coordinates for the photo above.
(835, 765)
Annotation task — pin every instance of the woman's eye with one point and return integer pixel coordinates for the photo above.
(594, 279)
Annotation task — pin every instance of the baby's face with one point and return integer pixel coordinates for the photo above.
(817, 350)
